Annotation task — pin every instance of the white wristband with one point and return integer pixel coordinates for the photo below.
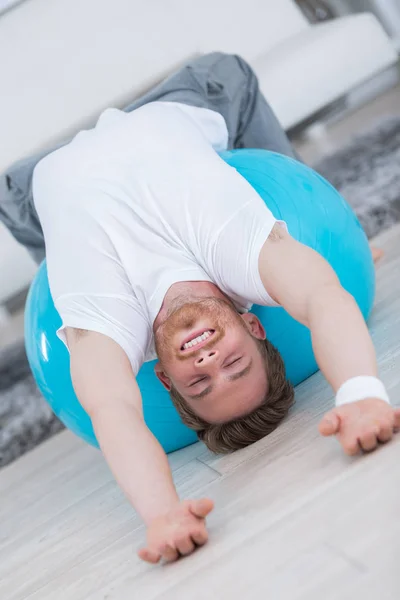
(359, 388)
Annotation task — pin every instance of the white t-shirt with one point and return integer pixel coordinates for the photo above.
(137, 203)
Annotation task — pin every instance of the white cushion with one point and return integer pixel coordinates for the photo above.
(307, 72)
(16, 266)
(248, 28)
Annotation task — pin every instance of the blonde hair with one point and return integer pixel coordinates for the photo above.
(223, 438)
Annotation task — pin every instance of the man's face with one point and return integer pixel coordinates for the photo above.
(208, 353)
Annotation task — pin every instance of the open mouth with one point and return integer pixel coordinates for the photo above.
(197, 339)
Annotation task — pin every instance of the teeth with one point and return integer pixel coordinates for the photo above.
(197, 340)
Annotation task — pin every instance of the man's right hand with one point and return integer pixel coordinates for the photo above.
(177, 533)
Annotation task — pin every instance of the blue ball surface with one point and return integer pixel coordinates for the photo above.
(316, 215)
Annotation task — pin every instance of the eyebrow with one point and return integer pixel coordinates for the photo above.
(231, 378)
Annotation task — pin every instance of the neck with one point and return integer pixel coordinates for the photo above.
(184, 292)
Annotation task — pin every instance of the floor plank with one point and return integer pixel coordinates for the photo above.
(271, 536)
(80, 526)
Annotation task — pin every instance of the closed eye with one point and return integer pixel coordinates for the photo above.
(234, 361)
(197, 381)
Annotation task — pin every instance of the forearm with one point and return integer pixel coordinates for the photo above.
(342, 345)
(136, 459)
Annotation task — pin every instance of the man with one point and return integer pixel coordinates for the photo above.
(152, 238)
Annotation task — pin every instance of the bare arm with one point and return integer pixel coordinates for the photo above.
(301, 281)
(107, 389)
(306, 286)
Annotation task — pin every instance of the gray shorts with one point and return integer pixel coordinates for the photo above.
(221, 82)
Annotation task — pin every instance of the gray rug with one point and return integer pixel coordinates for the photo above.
(366, 172)
(26, 419)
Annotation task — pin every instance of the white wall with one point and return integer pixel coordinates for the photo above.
(6, 5)
(69, 59)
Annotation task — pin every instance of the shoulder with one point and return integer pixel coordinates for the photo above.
(54, 172)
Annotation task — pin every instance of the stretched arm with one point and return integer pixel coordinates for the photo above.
(107, 389)
(301, 281)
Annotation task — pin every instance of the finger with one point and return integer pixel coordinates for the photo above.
(149, 556)
(330, 424)
(200, 537)
(385, 433)
(349, 444)
(201, 508)
(377, 253)
(185, 545)
(169, 554)
(397, 418)
(368, 441)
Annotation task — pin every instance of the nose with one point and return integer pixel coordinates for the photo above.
(206, 358)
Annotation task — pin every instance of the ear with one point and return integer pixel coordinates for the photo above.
(254, 325)
(163, 377)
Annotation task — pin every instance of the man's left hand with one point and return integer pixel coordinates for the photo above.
(361, 425)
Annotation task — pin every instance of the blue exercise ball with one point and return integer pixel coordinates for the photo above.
(316, 215)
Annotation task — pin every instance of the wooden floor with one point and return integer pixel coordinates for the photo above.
(295, 518)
